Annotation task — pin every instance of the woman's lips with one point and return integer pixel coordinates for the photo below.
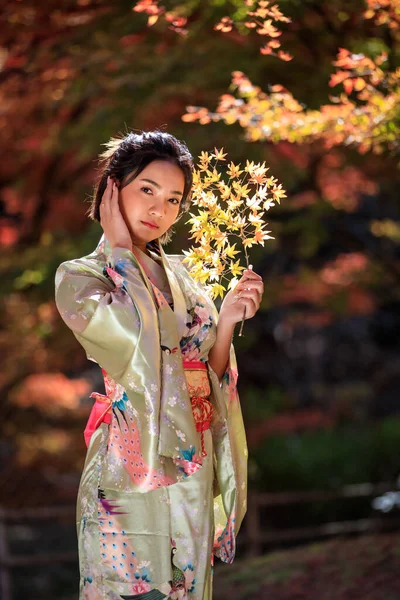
(151, 225)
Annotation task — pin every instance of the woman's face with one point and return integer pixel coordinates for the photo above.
(150, 202)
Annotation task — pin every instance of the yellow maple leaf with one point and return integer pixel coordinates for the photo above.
(212, 176)
(262, 192)
(268, 203)
(196, 178)
(258, 174)
(197, 235)
(201, 274)
(224, 190)
(214, 275)
(222, 217)
(233, 283)
(235, 268)
(230, 251)
(278, 193)
(256, 219)
(219, 154)
(241, 189)
(234, 202)
(234, 170)
(217, 290)
(191, 256)
(204, 157)
(248, 242)
(249, 166)
(253, 202)
(240, 222)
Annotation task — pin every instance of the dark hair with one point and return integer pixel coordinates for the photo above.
(130, 154)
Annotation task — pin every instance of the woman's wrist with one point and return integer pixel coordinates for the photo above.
(124, 245)
(226, 323)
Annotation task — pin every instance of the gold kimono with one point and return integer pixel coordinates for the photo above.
(159, 495)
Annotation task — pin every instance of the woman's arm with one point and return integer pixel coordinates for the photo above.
(100, 303)
(219, 354)
(101, 314)
(247, 294)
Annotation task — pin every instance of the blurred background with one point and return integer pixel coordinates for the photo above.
(312, 88)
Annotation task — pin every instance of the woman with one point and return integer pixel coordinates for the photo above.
(163, 487)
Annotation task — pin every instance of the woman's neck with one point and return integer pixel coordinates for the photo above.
(142, 249)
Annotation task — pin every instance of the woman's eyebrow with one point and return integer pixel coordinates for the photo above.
(157, 185)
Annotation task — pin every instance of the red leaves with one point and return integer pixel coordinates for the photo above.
(263, 20)
(225, 25)
(285, 56)
(154, 11)
(51, 393)
(338, 77)
(348, 86)
(150, 7)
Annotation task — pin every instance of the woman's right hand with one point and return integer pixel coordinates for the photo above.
(111, 219)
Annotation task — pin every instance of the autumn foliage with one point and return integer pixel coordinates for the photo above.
(228, 208)
(304, 98)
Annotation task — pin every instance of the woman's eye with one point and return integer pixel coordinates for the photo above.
(145, 189)
(174, 200)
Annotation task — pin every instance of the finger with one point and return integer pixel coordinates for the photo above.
(249, 274)
(256, 287)
(252, 294)
(251, 284)
(114, 198)
(105, 201)
(251, 306)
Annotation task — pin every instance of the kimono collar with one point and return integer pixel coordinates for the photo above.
(169, 421)
(180, 310)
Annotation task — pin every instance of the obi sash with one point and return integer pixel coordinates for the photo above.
(198, 385)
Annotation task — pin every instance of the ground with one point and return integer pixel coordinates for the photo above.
(364, 568)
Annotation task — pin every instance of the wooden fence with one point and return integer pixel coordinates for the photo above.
(9, 561)
(252, 536)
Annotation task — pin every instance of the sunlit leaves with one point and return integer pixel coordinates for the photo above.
(364, 114)
(263, 20)
(154, 10)
(386, 228)
(225, 25)
(384, 12)
(231, 202)
(50, 392)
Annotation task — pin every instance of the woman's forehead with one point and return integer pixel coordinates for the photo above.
(161, 172)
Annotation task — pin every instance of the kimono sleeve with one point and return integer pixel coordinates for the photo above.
(95, 304)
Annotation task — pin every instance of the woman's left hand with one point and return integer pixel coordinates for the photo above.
(247, 294)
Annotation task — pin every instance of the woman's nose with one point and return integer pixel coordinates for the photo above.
(158, 208)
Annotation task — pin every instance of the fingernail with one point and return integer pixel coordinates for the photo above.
(250, 267)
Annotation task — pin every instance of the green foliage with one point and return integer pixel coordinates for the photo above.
(327, 459)
(258, 406)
